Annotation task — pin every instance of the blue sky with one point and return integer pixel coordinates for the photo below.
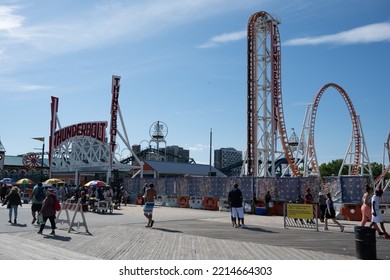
(183, 62)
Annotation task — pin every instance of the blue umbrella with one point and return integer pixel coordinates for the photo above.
(7, 180)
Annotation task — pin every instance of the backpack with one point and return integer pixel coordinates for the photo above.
(40, 196)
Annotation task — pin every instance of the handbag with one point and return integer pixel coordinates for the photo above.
(40, 218)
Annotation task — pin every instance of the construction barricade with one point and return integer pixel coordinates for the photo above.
(351, 211)
(195, 202)
(277, 207)
(210, 203)
(223, 205)
(171, 201)
(183, 202)
(159, 201)
(75, 208)
(385, 210)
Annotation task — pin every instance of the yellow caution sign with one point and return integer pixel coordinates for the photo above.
(300, 211)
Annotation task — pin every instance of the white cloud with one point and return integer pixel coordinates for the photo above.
(198, 148)
(224, 38)
(15, 86)
(372, 33)
(98, 25)
(29, 88)
(8, 19)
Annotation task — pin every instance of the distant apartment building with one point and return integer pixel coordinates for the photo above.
(228, 160)
(176, 154)
(170, 153)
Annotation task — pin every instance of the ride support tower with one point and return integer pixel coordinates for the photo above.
(265, 119)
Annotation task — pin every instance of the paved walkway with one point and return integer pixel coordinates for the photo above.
(178, 234)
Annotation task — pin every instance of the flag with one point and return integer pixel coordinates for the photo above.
(40, 139)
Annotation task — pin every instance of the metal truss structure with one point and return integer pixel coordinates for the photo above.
(265, 118)
(80, 154)
(356, 157)
(84, 148)
(379, 181)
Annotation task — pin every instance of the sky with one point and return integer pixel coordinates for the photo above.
(183, 62)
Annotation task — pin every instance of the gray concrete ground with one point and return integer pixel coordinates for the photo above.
(178, 234)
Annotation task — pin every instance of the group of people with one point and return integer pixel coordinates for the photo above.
(369, 209)
(371, 212)
(88, 195)
(43, 204)
(327, 210)
(44, 200)
(235, 200)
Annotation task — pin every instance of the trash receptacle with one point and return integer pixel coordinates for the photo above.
(365, 242)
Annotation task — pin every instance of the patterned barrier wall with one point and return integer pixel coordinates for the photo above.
(344, 189)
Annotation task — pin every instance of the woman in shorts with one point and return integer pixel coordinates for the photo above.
(331, 213)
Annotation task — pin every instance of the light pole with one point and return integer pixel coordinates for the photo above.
(42, 139)
(211, 147)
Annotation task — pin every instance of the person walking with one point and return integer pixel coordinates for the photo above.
(377, 214)
(13, 200)
(37, 196)
(366, 206)
(48, 211)
(235, 200)
(331, 213)
(149, 197)
(268, 199)
(3, 191)
(323, 206)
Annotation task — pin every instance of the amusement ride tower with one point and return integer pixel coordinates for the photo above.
(265, 120)
(158, 131)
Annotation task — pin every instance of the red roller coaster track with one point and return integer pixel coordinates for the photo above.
(355, 126)
(277, 105)
(259, 22)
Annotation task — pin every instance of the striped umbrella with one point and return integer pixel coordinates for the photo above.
(24, 181)
(95, 183)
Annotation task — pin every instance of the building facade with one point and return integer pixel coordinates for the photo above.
(228, 160)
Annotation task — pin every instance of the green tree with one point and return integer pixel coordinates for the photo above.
(332, 168)
(376, 169)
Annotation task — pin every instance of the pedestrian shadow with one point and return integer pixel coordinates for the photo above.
(107, 213)
(259, 230)
(19, 225)
(58, 237)
(74, 231)
(168, 230)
